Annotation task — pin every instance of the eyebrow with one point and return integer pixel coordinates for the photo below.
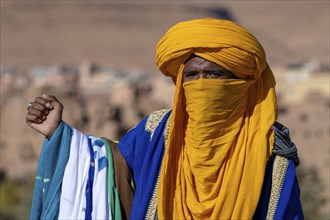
(208, 71)
(217, 71)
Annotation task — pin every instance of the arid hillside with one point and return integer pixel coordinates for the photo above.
(125, 34)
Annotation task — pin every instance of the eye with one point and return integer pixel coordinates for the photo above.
(221, 74)
(190, 75)
(213, 75)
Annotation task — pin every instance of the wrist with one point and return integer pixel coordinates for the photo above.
(50, 134)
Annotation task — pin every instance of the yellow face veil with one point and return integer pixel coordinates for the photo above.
(214, 162)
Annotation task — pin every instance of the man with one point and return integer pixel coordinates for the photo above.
(218, 154)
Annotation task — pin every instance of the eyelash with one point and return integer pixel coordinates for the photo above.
(215, 73)
(188, 75)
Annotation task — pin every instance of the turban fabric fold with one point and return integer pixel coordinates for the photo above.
(235, 154)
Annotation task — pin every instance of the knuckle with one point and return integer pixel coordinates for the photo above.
(37, 99)
(33, 118)
(39, 114)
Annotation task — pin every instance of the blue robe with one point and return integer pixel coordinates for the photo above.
(143, 148)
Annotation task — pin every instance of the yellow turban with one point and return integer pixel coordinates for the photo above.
(235, 154)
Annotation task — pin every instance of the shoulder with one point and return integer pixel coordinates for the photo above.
(283, 146)
(155, 119)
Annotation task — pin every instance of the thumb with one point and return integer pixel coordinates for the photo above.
(54, 102)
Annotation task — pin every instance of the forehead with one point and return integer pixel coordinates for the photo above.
(198, 62)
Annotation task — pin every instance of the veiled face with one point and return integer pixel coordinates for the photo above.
(197, 68)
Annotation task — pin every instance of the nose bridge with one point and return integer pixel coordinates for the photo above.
(201, 75)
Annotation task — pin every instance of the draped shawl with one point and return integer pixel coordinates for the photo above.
(241, 149)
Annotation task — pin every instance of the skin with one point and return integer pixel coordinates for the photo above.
(46, 112)
(45, 115)
(197, 68)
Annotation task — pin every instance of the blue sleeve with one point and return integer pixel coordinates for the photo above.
(52, 162)
(143, 148)
(133, 147)
(289, 206)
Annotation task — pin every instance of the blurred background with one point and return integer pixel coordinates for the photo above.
(98, 58)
